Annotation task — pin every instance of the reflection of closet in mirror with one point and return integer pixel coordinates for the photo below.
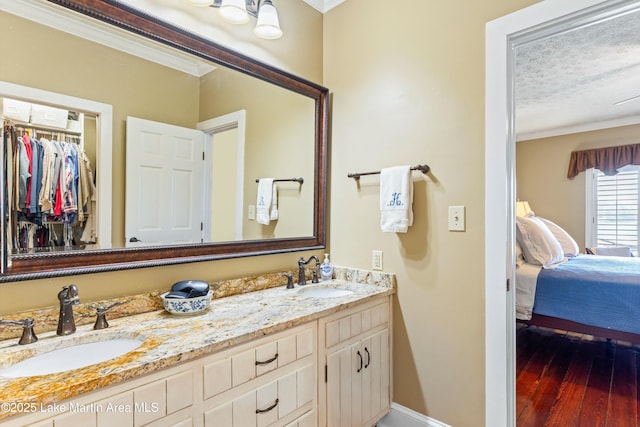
(51, 185)
(42, 217)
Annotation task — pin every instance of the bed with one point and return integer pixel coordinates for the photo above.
(592, 294)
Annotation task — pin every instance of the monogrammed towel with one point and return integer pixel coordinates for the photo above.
(396, 199)
(267, 201)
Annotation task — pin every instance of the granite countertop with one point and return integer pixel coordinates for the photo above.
(171, 339)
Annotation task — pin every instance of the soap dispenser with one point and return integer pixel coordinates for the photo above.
(326, 269)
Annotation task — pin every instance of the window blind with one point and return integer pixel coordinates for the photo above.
(617, 213)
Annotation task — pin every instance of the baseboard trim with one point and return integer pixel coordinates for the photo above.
(401, 416)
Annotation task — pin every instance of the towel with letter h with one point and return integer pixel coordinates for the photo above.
(267, 201)
(396, 199)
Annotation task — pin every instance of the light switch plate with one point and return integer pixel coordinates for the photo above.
(251, 214)
(456, 218)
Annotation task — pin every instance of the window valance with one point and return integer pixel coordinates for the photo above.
(608, 159)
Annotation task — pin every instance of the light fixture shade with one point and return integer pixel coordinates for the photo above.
(199, 3)
(523, 209)
(268, 26)
(234, 11)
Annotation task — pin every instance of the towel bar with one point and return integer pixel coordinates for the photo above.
(422, 168)
(298, 180)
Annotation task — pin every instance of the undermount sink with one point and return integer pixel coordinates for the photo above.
(72, 357)
(319, 291)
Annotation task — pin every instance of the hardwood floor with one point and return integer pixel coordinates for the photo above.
(575, 380)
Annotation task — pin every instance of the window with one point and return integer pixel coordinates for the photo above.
(613, 214)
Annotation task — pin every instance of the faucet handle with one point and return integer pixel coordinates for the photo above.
(28, 335)
(101, 319)
(289, 280)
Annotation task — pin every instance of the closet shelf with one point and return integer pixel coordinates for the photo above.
(40, 128)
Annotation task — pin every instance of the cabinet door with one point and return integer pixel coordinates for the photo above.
(375, 376)
(340, 383)
(358, 382)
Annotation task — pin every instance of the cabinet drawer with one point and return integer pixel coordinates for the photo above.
(269, 404)
(155, 400)
(239, 366)
(354, 323)
(307, 420)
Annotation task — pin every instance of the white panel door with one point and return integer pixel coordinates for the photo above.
(164, 190)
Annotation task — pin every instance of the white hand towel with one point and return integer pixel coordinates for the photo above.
(396, 199)
(267, 196)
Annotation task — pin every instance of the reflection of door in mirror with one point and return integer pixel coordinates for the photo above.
(184, 185)
(224, 188)
(52, 190)
(164, 176)
(225, 170)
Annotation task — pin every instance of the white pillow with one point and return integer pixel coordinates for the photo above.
(538, 244)
(569, 245)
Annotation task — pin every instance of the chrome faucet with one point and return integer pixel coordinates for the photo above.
(302, 276)
(28, 336)
(68, 297)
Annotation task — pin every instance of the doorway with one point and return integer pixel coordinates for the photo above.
(224, 147)
(503, 36)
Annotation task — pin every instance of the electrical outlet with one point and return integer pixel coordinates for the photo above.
(377, 260)
(251, 214)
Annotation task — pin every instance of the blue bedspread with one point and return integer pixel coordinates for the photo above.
(594, 290)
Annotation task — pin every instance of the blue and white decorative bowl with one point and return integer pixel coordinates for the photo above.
(186, 306)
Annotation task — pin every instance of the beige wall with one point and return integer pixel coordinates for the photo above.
(303, 35)
(541, 175)
(409, 89)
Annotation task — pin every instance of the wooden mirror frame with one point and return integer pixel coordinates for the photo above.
(55, 264)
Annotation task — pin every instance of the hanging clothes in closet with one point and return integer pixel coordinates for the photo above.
(51, 189)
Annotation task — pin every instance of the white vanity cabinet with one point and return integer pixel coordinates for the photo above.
(270, 382)
(166, 398)
(333, 371)
(354, 353)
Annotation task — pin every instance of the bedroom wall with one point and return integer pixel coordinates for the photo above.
(541, 174)
(408, 88)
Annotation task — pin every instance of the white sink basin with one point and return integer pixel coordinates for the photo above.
(72, 357)
(324, 292)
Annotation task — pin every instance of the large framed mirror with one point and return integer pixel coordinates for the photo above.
(249, 121)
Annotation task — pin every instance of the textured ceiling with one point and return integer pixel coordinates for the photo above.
(570, 82)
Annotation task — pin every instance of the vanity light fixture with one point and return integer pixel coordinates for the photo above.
(238, 11)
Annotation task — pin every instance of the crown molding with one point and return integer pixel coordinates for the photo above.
(330, 4)
(99, 32)
(324, 5)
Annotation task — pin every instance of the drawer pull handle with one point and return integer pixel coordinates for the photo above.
(368, 358)
(262, 411)
(266, 362)
(360, 356)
